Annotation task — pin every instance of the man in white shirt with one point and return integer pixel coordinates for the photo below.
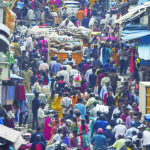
(73, 71)
(88, 73)
(117, 110)
(130, 130)
(105, 79)
(64, 73)
(146, 139)
(57, 137)
(119, 128)
(41, 116)
(66, 104)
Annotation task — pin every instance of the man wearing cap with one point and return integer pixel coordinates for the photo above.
(99, 140)
(146, 136)
(109, 135)
(64, 12)
(119, 128)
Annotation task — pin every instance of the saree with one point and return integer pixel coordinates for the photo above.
(115, 57)
(56, 105)
(74, 100)
(132, 63)
(47, 129)
(83, 138)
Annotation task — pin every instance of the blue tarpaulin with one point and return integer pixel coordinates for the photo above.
(128, 35)
(143, 44)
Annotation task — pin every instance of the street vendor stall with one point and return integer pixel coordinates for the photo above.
(62, 45)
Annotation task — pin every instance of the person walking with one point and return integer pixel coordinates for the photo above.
(121, 58)
(66, 103)
(27, 74)
(99, 140)
(80, 107)
(80, 16)
(41, 116)
(35, 107)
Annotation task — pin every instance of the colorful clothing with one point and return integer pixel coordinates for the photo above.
(56, 105)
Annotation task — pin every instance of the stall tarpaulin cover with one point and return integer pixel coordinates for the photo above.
(12, 136)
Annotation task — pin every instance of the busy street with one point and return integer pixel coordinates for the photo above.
(74, 75)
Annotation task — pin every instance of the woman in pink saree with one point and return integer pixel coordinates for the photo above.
(83, 129)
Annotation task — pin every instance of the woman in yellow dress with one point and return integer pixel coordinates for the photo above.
(56, 105)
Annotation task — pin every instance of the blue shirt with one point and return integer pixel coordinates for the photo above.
(106, 67)
(33, 137)
(81, 109)
(1, 121)
(100, 124)
(110, 137)
(85, 22)
(100, 141)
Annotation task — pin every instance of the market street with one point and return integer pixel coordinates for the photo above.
(74, 75)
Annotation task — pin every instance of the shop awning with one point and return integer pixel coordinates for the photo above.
(134, 13)
(128, 35)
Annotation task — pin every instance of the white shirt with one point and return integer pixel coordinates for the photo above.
(37, 87)
(66, 101)
(44, 66)
(105, 80)
(102, 92)
(116, 111)
(130, 130)
(146, 138)
(41, 114)
(119, 129)
(65, 74)
(73, 72)
(57, 138)
(88, 73)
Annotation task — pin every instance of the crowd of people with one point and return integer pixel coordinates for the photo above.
(107, 76)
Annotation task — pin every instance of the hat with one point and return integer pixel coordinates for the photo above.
(108, 127)
(100, 130)
(65, 6)
(119, 121)
(68, 120)
(142, 126)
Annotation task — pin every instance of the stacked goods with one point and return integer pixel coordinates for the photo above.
(76, 34)
(65, 45)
